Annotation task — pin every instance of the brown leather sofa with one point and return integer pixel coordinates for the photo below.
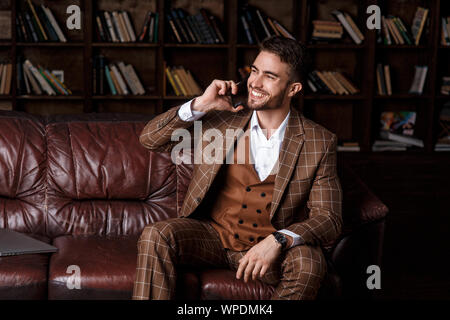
(86, 185)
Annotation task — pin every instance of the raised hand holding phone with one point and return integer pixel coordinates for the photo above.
(218, 96)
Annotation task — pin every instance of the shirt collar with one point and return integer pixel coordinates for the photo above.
(278, 134)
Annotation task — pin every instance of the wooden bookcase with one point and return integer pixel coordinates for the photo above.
(352, 117)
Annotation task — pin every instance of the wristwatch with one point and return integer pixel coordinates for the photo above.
(281, 239)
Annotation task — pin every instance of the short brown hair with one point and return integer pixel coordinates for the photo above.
(289, 51)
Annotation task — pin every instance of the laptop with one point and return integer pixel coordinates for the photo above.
(14, 243)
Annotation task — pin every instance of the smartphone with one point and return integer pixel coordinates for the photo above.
(241, 97)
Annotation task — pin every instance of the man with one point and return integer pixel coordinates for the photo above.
(267, 220)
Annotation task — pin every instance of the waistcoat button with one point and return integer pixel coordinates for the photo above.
(248, 189)
(263, 194)
(258, 211)
(244, 206)
(241, 221)
(236, 236)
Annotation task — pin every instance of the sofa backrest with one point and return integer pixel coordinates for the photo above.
(22, 173)
(85, 175)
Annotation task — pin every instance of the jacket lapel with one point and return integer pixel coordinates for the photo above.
(204, 173)
(290, 149)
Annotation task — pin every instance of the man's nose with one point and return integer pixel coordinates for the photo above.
(257, 82)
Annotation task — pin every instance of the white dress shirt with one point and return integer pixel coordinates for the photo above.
(264, 151)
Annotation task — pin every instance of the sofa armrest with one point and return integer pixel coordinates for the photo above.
(360, 205)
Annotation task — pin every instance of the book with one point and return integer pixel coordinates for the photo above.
(418, 80)
(174, 29)
(401, 138)
(145, 26)
(418, 23)
(387, 78)
(110, 81)
(33, 84)
(172, 82)
(128, 25)
(341, 18)
(40, 79)
(135, 79)
(399, 122)
(111, 30)
(38, 22)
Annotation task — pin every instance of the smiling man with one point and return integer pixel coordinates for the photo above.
(266, 218)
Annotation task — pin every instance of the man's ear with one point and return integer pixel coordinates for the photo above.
(294, 88)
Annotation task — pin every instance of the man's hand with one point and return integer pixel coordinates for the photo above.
(216, 97)
(258, 259)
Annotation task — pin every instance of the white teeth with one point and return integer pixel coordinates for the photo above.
(257, 94)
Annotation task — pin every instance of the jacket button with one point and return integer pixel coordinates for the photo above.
(199, 199)
(248, 189)
(241, 221)
(236, 236)
(258, 211)
(244, 206)
(251, 239)
(255, 225)
(263, 194)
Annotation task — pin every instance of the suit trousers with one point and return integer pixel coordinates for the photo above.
(164, 245)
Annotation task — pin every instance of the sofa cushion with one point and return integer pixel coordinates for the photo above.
(107, 267)
(24, 277)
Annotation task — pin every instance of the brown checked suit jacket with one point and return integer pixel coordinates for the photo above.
(307, 194)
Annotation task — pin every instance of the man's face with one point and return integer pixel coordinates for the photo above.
(268, 82)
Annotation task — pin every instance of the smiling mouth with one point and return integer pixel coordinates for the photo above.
(257, 95)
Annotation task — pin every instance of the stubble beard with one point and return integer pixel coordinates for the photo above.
(269, 104)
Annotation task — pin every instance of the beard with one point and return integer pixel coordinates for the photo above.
(272, 103)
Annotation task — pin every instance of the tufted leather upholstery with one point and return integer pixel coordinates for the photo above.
(86, 185)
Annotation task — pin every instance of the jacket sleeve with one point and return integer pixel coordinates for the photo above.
(157, 134)
(324, 223)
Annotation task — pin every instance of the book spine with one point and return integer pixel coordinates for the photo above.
(20, 35)
(129, 26)
(102, 74)
(125, 74)
(110, 26)
(55, 25)
(120, 80)
(144, 28)
(31, 27)
(47, 25)
(41, 28)
(261, 21)
(105, 28)
(172, 82)
(194, 29)
(26, 34)
(347, 26)
(135, 79)
(36, 88)
(151, 29)
(174, 28)
(179, 26)
(186, 26)
(209, 26)
(155, 40)
(247, 30)
(215, 24)
(102, 36)
(110, 82)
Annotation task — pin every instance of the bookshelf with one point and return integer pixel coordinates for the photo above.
(352, 117)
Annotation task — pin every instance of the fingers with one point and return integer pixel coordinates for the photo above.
(226, 86)
(256, 270)
(248, 271)
(242, 265)
(263, 271)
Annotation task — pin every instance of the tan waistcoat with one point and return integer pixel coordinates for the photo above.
(241, 211)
